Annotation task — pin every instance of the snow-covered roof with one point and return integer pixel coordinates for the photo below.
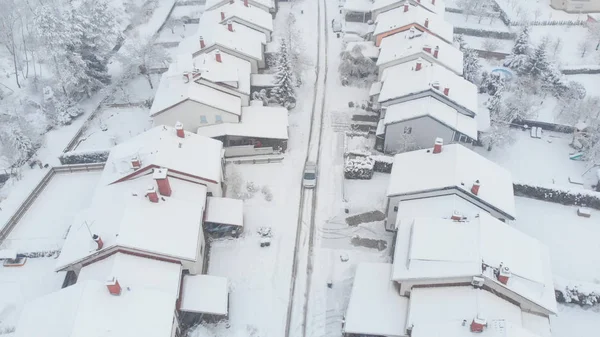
(238, 12)
(176, 88)
(232, 72)
(367, 48)
(243, 40)
(193, 155)
(362, 6)
(375, 306)
(436, 6)
(404, 80)
(225, 211)
(263, 80)
(433, 108)
(375, 88)
(134, 271)
(441, 311)
(124, 217)
(88, 309)
(215, 4)
(205, 294)
(409, 44)
(435, 248)
(416, 16)
(257, 121)
(456, 167)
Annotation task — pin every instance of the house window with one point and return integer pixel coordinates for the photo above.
(395, 208)
(218, 119)
(407, 130)
(203, 119)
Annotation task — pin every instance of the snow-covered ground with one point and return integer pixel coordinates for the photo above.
(569, 53)
(590, 82)
(475, 22)
(529, 9)
(178, 33)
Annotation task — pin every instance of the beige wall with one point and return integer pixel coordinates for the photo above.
(577, 6)
(189, 113)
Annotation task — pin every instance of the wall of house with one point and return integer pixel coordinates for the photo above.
(254, 26)
(189, 113)
(423, 132)
(524, 303)
(230, 90)
(426, 56)
(406, 286)
(576, 6)
(214, 188)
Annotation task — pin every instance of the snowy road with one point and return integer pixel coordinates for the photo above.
(303, 256)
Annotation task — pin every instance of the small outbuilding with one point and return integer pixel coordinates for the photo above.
(224, 216)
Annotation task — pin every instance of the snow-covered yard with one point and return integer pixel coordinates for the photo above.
(571, 37)
(178, 33)
(536, 9)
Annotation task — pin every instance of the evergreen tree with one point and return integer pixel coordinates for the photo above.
(494, 103)
(284, 88)
(538, 63)
(520, 51)
(471, 66)
(553, 81)
(17, 146)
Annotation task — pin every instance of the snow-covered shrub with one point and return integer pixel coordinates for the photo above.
(356, 69)
(75, 157)
(61, 110)
(252, 187)
(485, 33)
(520, 53)
(358, 168)
(234, 183)
(266, 192)
(583, 294)
(587, 198)
(383, 163)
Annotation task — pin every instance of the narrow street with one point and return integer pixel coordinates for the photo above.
(296, 322)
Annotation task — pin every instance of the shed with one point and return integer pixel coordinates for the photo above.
(203, 298)
(224, 216)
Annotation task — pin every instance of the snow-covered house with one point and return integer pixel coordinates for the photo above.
(408, 16)
(412, 44)
(417, 79)
(243, 13)
(266, 5)
(261, 126)
(480, 250)
(418, 123)
(189, 95)
(365, 10)
(231, 38)
(448, 170)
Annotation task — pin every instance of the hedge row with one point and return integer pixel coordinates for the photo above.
(548, 23)
(587, 199)
(70, 158)
(544, 125)
(573, 295)
(359, 168)
(485, 33)
(583, 70)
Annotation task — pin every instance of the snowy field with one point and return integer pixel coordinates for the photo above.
(519, 10)
(113, 126)
(569, 53)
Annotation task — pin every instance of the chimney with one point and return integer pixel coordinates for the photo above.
(427, 23)
(478, 324)
(437, 146)
(436, 51)
(405, 7)
(427, 48)
(218, 56)
(246, 3)
(202, 44)
(446, 91)
(419, 65)
(136, 163)
(222, 16)
(186, 77)
(98, 241)
(179, 130)
(456, 216)
(152, 195)
(433, 2)
(230, 25)
(114, 288)
(162, 180)
(435, 85)
(475, 187)
(503, 274)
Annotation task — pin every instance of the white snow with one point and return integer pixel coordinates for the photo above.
(262, 80)
(375, 307)
(205, 294)
(226, 211)
(367, 48)
(433, 108)
(401, 47)
(416, 15)
(404, 80)
(438, 7)
(455, 167)
(362, 6)
(257, 121)
(231, 70)
(251, 15)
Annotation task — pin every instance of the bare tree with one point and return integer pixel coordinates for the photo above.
(583, 47)
(173, 23)
(490, 45)
(556, 46)
(142, 54)
(8, 29)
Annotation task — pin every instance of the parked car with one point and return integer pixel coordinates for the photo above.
(309, 179)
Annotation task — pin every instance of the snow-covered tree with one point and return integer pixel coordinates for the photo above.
(520, 51)
(490, 45)
(295, 43)
(356, 69)
(490, 83)
(142, 54)
(459, 41)
(553, 81)
(538, 63)
(471, 66)
(284, 89)
(583, 47)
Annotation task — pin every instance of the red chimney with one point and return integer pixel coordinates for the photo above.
(433, 2)
(427, 49)
(405, 7)
(218, 56)
(230, 25)
(152, 195)
(179, 130)
(475, 187)
(418, 66)
(435, 85)
(436, 51)
(246, 3)
(446, 91)
(98, 241)
(135, 162)
(114, 288)
(202, 44)
(162, 180)
(222, 16)
(503, 274)
(427, 23)
(478, 324)
(456, 216)
(437, 146)
(419, 1)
